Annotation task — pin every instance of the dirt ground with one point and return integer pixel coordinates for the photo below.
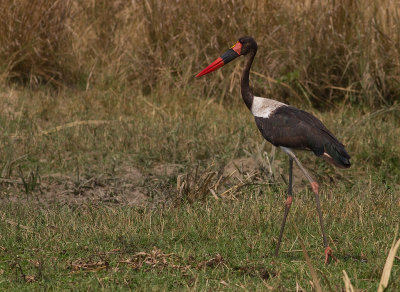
(130, 186)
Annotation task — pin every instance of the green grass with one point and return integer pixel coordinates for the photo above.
(47, 243)
(64, 225)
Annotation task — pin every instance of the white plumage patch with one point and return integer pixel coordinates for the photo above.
(264, 107)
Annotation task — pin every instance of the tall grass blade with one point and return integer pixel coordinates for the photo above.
(388, 265)
(347, 283)
(313, 273)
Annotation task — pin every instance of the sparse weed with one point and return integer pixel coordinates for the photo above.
(31, 181)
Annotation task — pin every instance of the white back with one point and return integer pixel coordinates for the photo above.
(264, 107)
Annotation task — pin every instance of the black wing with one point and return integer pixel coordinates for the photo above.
(293, 128)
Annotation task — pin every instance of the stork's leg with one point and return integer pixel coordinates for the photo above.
(314, 186)
(288, 203)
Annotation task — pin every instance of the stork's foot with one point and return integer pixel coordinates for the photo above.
(329, 255)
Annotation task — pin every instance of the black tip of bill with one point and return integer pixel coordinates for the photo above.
(225, 58)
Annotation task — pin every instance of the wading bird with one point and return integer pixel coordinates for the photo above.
(286, 127)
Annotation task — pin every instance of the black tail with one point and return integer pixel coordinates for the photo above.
(338, 154)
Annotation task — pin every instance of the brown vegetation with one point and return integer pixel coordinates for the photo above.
(318, 50)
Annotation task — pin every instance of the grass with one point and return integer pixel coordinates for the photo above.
(215, 245)
(119, 170)
(97, 246)
(66, 220)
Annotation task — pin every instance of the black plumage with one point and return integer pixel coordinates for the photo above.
(296, 129)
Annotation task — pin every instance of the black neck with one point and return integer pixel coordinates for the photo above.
(244, 83)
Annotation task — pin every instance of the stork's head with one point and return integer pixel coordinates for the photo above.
(243, 46)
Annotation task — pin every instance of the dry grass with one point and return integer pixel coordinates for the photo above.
(321, 51)
(36, 41)
(389, 264)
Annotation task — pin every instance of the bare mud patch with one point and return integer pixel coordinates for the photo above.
(167, 169)
(69, 190)
(128, 185)
(241, 167)
(249, 167)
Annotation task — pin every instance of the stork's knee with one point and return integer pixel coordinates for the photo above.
(288, 202)
(315, 187)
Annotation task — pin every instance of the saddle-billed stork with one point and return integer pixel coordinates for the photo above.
(286, 127)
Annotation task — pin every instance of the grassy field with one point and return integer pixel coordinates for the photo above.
(119, 170)
(96, 204)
